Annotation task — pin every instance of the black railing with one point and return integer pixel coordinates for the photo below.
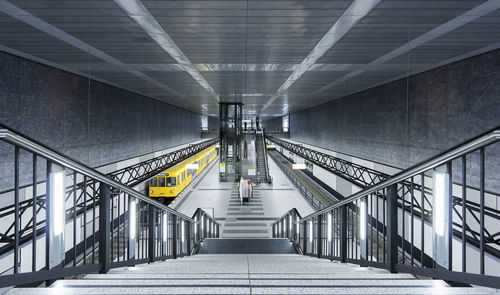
(366, 177)
(111, 226)
(370, 229)
(130, 176)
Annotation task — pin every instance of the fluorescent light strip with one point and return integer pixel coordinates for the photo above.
(439, 31)
(354, 13)
(132, 219)
(57, 202)
(440, 208)
(165, 226)
(29, 19)
(362, 220)
(141, 15)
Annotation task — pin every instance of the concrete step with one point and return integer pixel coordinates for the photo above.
(249, 274)
(246, 246)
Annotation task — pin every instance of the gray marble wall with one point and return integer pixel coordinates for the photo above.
(213, 123)
(443, 108)
(274, 124)
(102, 126)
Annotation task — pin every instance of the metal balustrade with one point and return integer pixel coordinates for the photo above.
(422, 206)
(370, 229)
(88, 222)
(130, 176)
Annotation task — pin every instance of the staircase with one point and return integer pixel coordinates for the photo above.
(246, 246)
(249, 274)
(261, 158)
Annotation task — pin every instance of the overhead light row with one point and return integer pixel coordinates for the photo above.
(141, 15)
(354, 13)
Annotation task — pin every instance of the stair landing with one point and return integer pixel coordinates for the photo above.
(249, 274)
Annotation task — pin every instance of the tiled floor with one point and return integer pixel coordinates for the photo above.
(250, 220)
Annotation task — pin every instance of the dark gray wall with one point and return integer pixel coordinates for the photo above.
(443, 108)
(213, 123)
(274, 124)
(106, 125)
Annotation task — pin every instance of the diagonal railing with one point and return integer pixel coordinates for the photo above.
(130, 176)
(353, 229)
(365, 177)
(113, 226)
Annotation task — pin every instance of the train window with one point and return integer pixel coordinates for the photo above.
(161, 181)
(153, 182)
(170, 181)
(178, 177)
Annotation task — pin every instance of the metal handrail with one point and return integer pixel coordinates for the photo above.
(286, 214)
(48, 153)
(471, 145)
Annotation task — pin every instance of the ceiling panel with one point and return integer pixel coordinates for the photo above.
(246, 50)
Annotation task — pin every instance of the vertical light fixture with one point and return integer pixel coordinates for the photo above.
(310, 231)
(182, 231)
(57, 214)
(290, 223)
(165, 226)
(195, 226)
(329, 227)
(298, 225)
(440, 218)
(440, 201)
(132, 213)
(57, 202)
(202, 225)
(362, 229)
(362, 220)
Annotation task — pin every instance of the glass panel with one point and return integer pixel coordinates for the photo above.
(170, 181)
(153, 182)
(161, 181)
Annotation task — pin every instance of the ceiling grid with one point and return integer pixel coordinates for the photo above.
(277, 56)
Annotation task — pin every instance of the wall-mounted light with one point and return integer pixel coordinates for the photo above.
(195, 225)
(182, 231)
(202, 224)
(310, 231)
(362, 220)
(329, 227)
(57, 216)
(441, 218)
(57, 202)
(298, 226)
(440, 202)
(132, 216)
(165, 226)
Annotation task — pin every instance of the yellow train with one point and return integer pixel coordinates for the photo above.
(172, 181)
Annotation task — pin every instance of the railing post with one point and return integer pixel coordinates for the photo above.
(104, 227)
(319, 239)
(174, 235)
(151, 235)
(392, 228)
(343, 233)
